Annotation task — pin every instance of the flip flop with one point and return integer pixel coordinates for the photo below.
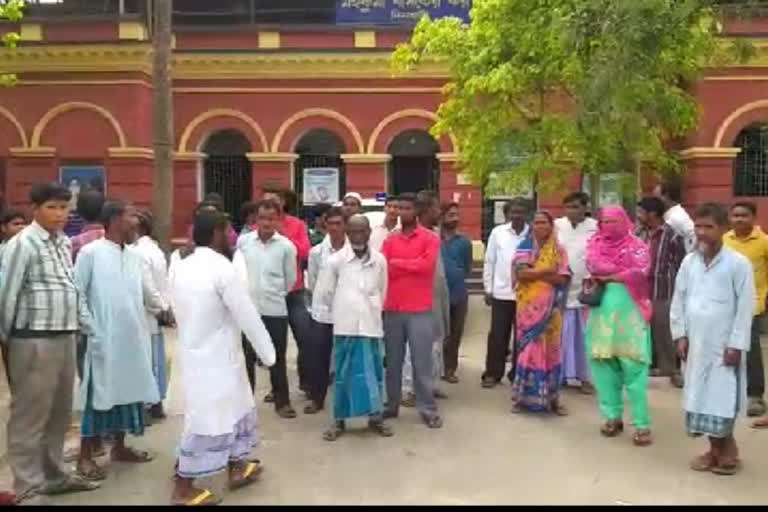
(704, 463)
(140, 456)
(71, 485)
(205, 498)
(94, 474)
(612, 428)
(434, 422)
(642, 438)
(250, 475)
(761, 424)
(730, 468)
(381, 428)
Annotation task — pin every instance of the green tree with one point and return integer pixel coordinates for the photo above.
(546, 87)
(10, 10)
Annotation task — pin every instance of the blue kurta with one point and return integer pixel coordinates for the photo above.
(118, 365)
(713, 306)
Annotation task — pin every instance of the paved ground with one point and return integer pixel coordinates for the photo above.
(483, 455)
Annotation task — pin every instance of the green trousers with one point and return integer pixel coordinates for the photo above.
(610, 377)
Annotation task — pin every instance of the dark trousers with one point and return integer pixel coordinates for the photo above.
(502, 322)
(755, 371)
(277, 327)
(319, 361)
(250, 362)
(300, 322)
(458, 314)
(80, 347)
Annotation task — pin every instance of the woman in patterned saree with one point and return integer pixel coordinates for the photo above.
(618, 335)
(541, 268)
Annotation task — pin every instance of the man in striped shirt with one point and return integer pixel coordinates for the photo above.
(39, 310)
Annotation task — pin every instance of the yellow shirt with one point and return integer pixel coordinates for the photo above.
(755, 249)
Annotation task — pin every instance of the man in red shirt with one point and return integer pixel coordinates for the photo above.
(411, 255)
(294, 230)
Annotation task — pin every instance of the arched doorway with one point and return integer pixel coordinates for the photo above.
(227, 171)
(414, 165)
(319, 149)
(750, 168)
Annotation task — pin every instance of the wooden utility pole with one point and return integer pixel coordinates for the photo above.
(162, 121)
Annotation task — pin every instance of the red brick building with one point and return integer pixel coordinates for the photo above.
(256, 103)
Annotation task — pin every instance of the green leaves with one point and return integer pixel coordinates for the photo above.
(595, 85)
(10, 10)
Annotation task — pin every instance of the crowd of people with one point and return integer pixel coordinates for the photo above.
(377, 311)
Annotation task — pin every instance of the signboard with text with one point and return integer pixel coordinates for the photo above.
(399, 11)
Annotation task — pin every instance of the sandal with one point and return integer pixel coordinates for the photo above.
(587, 388)
(642, 438)
(409, 400)
(269, 398)
(489, 383)
(312, 408)
(131, 455)
(559, 409)
(760, 424)
(93, 473)
(286, 412)
(205, 498)
(69, 485)
(250, 475)
(704, 462)
(381, 428)
(727, 467)
(439, 394)
(334, 432)
(434, 421)
(451, 378)
(517, 408)
(612, 428)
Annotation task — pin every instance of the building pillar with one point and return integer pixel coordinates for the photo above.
(708, 175)
(366, 173)
(271, 170)
(27, 167)
(455, 187)
(186, 190)
(129, 174)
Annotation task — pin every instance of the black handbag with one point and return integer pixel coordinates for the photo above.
(591, 293)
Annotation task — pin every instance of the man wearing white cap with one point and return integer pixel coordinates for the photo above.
(352, 204)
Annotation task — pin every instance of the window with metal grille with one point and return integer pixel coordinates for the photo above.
(750, 168)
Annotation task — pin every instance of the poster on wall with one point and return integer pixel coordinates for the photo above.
(321, 185)
(78, 178)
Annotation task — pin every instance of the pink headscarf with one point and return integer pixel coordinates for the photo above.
(615, 251)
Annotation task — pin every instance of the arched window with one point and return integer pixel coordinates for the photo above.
(414, 166)
(227, 171)
(750, 168)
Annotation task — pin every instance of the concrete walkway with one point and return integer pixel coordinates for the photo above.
(483, 455)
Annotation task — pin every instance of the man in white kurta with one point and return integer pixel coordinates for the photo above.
(573, 232)
(212, 306)
(156, 267)
(711, 317)
(117, 371)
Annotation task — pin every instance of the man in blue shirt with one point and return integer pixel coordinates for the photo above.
(456, 250)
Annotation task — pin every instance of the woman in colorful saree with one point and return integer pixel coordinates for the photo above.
(541, 268)
(618, 335)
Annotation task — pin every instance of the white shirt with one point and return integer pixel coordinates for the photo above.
(682, 223)
(574, 240)
(379, 234)
(497, 268)
(212, 307)
(269, 270)
(354, 290)
(154, 266)
(318, 257)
